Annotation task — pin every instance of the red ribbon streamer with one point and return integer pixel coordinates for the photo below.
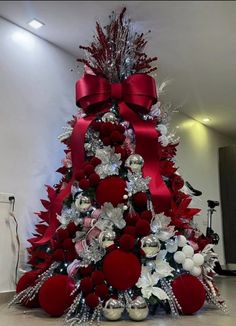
(135, 95)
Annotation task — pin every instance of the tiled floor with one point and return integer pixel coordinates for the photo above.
(209, 316)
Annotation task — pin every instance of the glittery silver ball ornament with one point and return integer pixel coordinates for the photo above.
(82, 203)
(109, 117)
(135, 162)
(138, 309)
(150, 245)
(106, 238)
(113, 309)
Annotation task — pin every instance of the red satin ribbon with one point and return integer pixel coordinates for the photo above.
(135, 95)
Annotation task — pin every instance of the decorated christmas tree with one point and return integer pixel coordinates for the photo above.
(117, 238)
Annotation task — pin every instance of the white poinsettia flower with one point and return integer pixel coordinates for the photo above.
(110, 162)
(147, 282)
(113, 214)
(160, 226)
(162, 267)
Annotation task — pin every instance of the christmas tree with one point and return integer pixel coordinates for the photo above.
(117, 238)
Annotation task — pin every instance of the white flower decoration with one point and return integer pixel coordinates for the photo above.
(110, 162)
(163, 268)
(113, 214)
(160, 226)
(147, 282)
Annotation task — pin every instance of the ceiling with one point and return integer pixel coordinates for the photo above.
(194, 40)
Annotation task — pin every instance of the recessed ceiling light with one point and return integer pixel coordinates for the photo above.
(206, 120)
(36, 24)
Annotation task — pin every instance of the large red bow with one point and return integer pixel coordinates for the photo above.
(135, 95)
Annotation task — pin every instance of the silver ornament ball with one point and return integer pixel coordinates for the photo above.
(135, 162)
(106, 238)
(138, 309)
(113, 309)
(109, 117)
(150, 245)
(82, 203)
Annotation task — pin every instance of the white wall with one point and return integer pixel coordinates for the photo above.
(36, 100)
(197, 159)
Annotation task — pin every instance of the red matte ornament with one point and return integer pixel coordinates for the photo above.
(102, 291)
(97, 277)
(127, 242)
(86, 285)
(189, 292)
(92, 300)
(28, 279)
(140, 200)
(84, 184)
(121, 269)
(143, 227)
(54, 295)
(111, 189)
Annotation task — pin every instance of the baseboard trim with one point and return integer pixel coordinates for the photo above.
(231, 267)
(6, 296)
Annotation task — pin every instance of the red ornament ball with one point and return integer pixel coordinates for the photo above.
(146, 215)
(25, 281)
(86, 271)
(89, 169)
(143, 227)
(84, 184)
(98, 277)
(54, 295)
(102, 291)
(68, 244)
(92, 300)
(132, 218)
(140, 200)
(94, 179)
(127, 242)
(117, 137)
(86, 285)
(130, 230)
(111, 189)
(189, 292)
(121, 269)
(106, 141)
(72, 228)
(95, 161)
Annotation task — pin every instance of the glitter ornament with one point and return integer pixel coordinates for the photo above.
(198, 259)
(82, 203)
(135, 162)
(150, 245)
(113, 309)
(188, 251)
(138, 309)
(179, 257)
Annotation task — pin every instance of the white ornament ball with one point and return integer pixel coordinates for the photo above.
(125, 197)
(196, 271)
(188, 251)
(179, 257)
(182, 241)
(198, 259)
(188, 264)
